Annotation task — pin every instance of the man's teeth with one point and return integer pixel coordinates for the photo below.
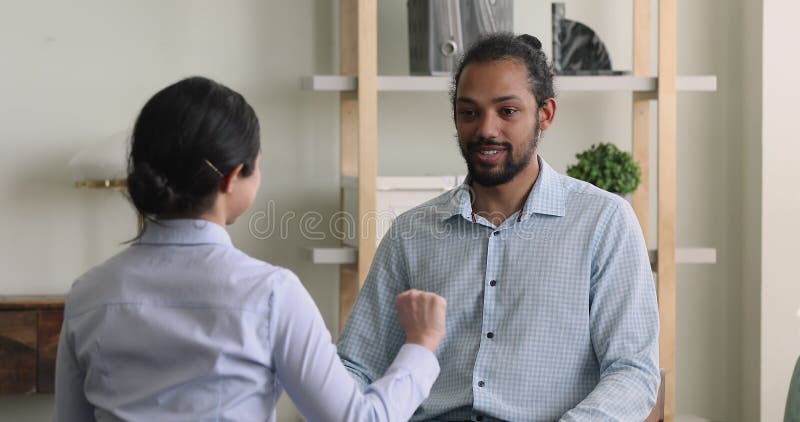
(490, 152)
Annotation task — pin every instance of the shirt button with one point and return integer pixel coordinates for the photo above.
(481, 383)
(490, 335)
(493, 283)
(495, 233)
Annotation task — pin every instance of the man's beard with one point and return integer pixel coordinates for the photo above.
(507, 170)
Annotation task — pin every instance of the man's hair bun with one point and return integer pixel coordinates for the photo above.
(531, 41)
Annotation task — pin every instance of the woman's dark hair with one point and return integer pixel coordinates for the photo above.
(186, 138)
(524, 48)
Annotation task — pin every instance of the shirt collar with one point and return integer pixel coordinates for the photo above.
(547, 196)
(184, 232)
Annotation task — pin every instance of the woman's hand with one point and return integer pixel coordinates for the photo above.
(422, 316)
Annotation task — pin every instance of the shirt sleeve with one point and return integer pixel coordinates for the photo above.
(70, 400)
(373, 334)
(309, 368)
(623, 318)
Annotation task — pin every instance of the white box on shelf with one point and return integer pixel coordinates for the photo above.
(394, 196)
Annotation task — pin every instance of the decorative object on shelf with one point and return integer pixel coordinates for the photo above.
(577, 50)
(606, 167)
(439, 30)
(102, 165)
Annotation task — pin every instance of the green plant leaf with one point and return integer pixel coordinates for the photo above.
(606, 167)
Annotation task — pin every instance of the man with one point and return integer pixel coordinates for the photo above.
(552, 307)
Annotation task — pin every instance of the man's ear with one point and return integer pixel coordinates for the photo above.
(547, 113)
(227, 182)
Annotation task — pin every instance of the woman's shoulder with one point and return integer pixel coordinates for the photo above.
(251, 280)
(214, 278)
(249, 267)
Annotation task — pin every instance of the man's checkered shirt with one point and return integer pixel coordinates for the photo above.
(551, 316)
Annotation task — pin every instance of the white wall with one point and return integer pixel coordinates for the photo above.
(76, 72)
(780, 278)
(79, 71)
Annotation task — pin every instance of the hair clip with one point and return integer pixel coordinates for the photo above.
(213, 167)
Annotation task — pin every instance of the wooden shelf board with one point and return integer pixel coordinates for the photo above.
(340, 255)
(688, 256)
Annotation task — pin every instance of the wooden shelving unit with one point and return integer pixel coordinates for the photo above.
(358, 117)
(358, 85)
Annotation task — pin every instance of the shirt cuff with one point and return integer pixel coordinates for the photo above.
(420, 362)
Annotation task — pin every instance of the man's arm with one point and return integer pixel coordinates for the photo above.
(623, 323)
(373, 335)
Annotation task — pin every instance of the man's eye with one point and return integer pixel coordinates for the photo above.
(507, 111)
(466, 113)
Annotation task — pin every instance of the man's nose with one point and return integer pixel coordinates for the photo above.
(489, 127)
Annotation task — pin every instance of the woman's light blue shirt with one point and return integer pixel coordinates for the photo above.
(182, 326)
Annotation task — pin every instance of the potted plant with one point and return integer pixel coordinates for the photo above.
(606, 167)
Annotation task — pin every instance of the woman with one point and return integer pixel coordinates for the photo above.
(183, 326)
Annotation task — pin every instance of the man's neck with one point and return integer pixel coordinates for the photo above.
(499, 202)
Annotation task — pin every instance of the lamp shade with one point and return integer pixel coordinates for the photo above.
(104, 163)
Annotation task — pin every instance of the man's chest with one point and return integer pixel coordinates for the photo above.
(511, 276)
